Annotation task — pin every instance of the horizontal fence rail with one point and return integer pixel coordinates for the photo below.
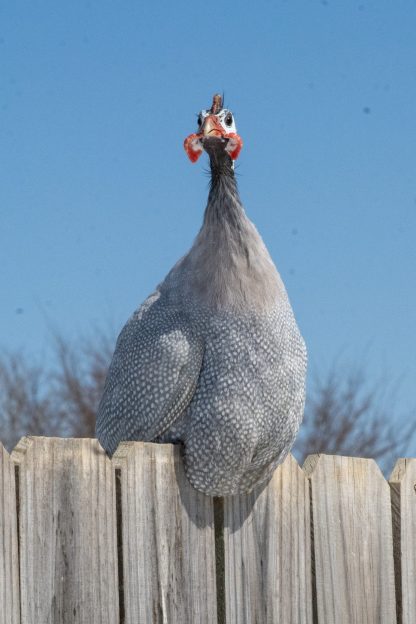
(86, 539)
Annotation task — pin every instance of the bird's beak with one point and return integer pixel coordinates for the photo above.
(212, 127)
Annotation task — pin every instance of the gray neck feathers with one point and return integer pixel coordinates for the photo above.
(228, 267)
(224, 206)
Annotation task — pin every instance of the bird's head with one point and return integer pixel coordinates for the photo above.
(216, 133)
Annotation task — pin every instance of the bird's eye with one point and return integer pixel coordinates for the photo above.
(199, 120)
(228, 119)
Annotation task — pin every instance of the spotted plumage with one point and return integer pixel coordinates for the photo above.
(213, 359)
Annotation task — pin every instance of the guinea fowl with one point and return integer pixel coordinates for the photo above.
(213, 359)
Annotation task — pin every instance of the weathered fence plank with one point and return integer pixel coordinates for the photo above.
(267, 551)
(87, 540)
(352, 533)
(9, 563)
(168, 539)
(67, 521)
(403, 486)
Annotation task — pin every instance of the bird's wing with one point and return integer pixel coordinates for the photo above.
(152, 377)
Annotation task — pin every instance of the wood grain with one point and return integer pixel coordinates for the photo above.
(267, 551)
(403, 490)
(9, 563)
(168, 539)
(352, 532)
(67, 532)
(130, 541)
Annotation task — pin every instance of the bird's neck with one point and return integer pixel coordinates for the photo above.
(224, 207)
(228, 267)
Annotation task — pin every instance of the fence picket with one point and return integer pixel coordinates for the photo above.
(352, 532)
(168, 539)
(267, 551)
(68, 561)
(403, 486)
(9, 563)
(89, 540)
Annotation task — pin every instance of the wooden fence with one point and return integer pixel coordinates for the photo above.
(87, 540)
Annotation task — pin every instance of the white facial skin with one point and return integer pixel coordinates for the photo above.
(225, 117)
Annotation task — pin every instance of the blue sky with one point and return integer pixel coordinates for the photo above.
(98, 200)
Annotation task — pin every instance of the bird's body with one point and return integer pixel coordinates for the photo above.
(213, 359)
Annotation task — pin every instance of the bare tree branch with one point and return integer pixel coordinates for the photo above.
(61, 400)
(345, 413)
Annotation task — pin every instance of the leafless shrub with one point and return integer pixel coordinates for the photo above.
(345, 413)
(78, 379)
(59, 399)
(26, 405)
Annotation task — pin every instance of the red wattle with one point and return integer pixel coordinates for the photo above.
(190, 141)
(237, 145)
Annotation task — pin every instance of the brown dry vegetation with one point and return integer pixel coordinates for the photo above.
(345, 414)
